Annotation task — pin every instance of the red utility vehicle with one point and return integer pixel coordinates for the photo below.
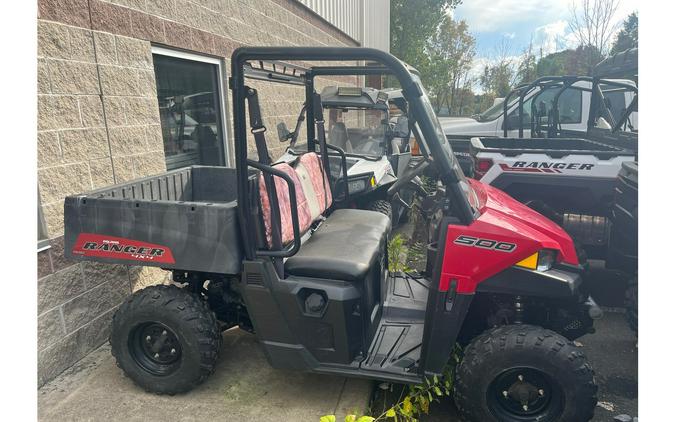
(261, 247)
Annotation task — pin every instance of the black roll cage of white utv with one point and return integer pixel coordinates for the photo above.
(598, 107)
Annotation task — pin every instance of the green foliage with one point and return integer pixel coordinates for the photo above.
(527, 68)
(451, 50)
(628, 35)
(415, 399)
(497, 79)
(348, 418)
(412, 23)
(397, 251)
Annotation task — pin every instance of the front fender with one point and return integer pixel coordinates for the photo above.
(554, 284)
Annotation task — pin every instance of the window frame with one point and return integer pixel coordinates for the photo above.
(228, 149)
(42, 243)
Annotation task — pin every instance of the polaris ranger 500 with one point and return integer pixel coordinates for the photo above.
(260, 247)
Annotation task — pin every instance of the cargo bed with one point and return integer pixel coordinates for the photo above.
(552, 147)
(183, 219)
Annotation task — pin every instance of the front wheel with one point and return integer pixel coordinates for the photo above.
(381, 206)
(632, 304)
(524, 373)
(166, 339)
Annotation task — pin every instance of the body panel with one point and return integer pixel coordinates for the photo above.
(503, 221)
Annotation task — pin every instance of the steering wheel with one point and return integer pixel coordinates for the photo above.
(408, 177)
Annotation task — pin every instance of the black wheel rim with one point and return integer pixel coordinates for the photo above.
(155, 348)
(525, 394)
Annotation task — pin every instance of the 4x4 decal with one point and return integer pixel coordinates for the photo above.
(465, 240)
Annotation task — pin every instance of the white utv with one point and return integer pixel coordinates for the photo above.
(573, 108)
(367, 150)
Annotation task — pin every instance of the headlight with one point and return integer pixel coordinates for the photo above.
(357, 185)
(542, 260)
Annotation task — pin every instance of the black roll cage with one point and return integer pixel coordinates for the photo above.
(598, 106)
(268, 64)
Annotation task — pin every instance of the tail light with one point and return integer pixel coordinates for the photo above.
(481, 166)
(414, 147)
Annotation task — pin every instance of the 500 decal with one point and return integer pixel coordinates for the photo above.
(485, 243)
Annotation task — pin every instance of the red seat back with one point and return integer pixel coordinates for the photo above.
(283, 198)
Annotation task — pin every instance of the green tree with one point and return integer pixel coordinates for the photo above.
(527, 68)
(578, 61)
(628, 36)
(412, 23)
(499, 76)
(591, 24)
(553, 64)
(451, 50)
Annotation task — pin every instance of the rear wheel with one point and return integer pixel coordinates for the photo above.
(524, 373)
(381, 206)
(632, 304)
(166, 339)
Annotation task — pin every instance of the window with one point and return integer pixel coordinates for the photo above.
(616, 102)
(358, 131)
(190, 100)
(43, 236)
(569, 106)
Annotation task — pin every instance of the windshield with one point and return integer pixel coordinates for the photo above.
(493, 112)
(445, 145)
(358, 131)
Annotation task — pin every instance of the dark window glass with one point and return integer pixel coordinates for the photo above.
(616, 103)
(569, 106)
(189, 107)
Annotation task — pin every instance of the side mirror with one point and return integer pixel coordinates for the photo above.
(512, 121)
(401, 128)
(283, 132)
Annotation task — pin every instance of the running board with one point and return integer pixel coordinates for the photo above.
(398, 341)
(406, 299)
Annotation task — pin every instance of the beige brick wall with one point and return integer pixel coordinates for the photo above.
(98, 118)
(98, 124)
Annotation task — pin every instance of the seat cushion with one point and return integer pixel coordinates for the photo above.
(345, 247)
(321, 187)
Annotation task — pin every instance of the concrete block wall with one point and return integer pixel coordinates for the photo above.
(98, 124)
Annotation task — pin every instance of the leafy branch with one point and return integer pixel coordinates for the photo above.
(417, 399)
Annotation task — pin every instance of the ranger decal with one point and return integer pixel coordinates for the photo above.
(96, 245)
(544, 166)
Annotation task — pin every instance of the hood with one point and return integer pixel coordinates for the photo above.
(464, 126)
(510, 214)
(452, 120)
(381, 169)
